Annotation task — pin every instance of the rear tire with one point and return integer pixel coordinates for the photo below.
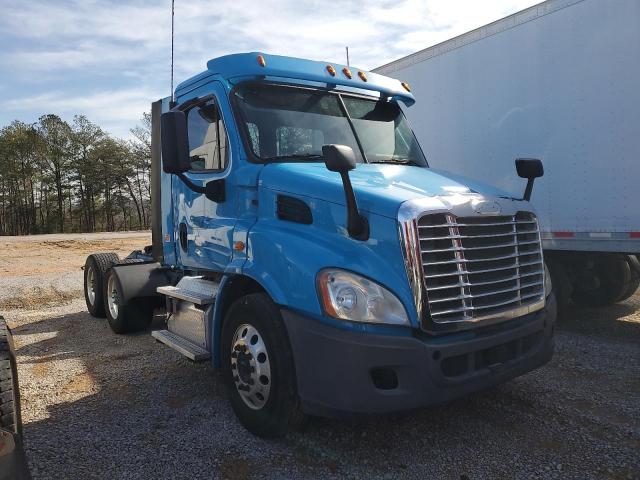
(10, 418)
(134, 316)
(634, 281)
(561, 286)
(254, 332)
(95, 270)
(613, 278)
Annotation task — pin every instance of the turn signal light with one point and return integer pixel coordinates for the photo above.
(362, 76)
(261, 61)
(331, 70)
(406, 86)
(347, 72)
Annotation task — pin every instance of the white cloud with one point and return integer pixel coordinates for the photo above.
(106, 57)
(115, 111)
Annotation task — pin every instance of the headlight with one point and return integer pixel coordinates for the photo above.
(547, 281)
(348, 296)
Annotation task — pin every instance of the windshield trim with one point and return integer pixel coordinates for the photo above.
(243, 132)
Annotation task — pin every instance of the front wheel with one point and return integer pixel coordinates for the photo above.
(9, 392)
(258, 367)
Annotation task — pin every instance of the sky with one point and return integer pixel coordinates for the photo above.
(110, 59)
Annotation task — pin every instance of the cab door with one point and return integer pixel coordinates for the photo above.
(204, 227)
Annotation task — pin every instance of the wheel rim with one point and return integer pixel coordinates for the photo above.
(112, 296)
(250, 366)
(91, 285)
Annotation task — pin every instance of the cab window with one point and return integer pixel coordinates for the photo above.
(207, 138)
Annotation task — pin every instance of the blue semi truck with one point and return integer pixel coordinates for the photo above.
(301, 242)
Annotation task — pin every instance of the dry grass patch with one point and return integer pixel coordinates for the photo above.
(33, 298)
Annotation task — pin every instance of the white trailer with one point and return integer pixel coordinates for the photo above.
(559, 81)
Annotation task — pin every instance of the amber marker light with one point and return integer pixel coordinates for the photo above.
(406, 86)
(331, 70)
(261, 61)
(347, 72)
(238, 246)
(362, 76)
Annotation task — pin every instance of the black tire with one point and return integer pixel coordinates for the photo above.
(634, 281)
(613, 275)
(134, 316)
(98, 263)
(10, 418)
(561, 286)
(281, 411)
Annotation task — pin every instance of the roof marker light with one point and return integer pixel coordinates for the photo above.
(347, 72)
(261, 61)
(331, 70)
(406, 86)
(362, 76)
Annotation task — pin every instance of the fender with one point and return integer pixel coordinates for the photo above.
(140, 280)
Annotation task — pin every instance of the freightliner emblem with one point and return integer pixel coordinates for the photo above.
(487, 208)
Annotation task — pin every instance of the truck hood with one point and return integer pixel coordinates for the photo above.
(379, 188)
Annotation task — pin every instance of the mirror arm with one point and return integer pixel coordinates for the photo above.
(190, 184)
(213, 190)
(357, 225)
(528, 189)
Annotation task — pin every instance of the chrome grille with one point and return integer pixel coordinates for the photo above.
(476, 267)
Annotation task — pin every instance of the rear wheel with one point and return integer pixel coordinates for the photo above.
(604, 282)
(561, 286)
(258, 367)
(133, 316)
(634, 281)
(95, 270)
(10, 418)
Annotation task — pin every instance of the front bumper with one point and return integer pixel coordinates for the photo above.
(343, 372)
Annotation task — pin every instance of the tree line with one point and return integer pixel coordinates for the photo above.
(58, 176)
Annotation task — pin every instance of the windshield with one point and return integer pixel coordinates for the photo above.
(292, 124)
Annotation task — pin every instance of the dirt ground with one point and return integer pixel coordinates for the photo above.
(100, 405)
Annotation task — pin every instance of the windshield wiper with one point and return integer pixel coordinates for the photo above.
(398, 161)
(301, 156)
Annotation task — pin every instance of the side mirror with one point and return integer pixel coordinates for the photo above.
(175, 142)
(529, 168)
(339, 158)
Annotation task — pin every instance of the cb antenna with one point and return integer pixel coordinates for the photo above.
(347, 49)
(172, 15)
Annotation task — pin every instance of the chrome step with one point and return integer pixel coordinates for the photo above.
(196, 290)
(182, 345)
(197, 298)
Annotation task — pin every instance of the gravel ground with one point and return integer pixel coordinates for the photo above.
(99, 405)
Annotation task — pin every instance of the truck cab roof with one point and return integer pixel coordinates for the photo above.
(255, 65)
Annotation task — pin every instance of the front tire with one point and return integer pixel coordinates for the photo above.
(132, 316)
(95, 270)
(10, 418)
(258, 367)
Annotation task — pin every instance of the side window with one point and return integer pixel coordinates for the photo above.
(207, 138)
